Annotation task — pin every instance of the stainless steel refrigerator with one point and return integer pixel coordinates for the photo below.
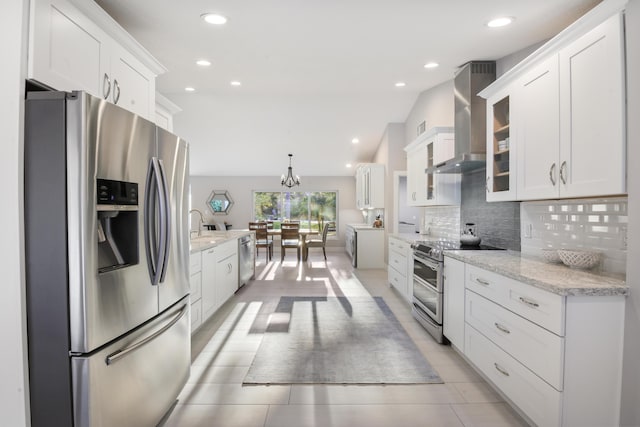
(106, 241)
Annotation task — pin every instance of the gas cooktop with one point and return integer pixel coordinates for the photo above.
(435, 248)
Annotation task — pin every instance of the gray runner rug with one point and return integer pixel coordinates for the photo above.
(336, 340)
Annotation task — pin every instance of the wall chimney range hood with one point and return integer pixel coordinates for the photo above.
(470, 118)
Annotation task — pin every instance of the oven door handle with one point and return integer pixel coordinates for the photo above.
(435, 266)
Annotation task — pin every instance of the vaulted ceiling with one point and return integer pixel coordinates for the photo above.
(316, 74)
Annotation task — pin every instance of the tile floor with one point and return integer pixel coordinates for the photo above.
(223, 348)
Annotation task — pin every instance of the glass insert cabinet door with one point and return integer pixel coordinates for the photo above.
(220, 202)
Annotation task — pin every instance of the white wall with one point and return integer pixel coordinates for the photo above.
(630, 411)
(390, 153)
(13, 386)
(241, 191)
(435, 106)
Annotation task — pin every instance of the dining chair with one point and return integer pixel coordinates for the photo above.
(262, 238)
(289, 238)
(319, 243)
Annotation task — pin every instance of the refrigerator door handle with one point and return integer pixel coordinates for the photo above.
(166, 227)
(155, 220)
(114, 357)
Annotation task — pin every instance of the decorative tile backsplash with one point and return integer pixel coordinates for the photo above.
(442, 222)
(593, 224)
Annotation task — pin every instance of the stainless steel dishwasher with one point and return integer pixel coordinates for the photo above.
(247, 254)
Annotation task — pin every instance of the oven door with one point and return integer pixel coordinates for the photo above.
(428, 299)
(428, 271)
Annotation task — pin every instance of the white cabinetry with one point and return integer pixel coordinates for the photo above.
(430, 149)
(195, 288)
(165, 110)
(567, 107)
(453, 294)
(226, 271)
(538, 136)
(209, 303)
(501, 149)
(370, 186)
(538, 348)
(68, 51)
(592, 113)
(400, 269)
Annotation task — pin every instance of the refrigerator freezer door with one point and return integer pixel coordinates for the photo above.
(106, 394)
(105, 141)
(174, 154)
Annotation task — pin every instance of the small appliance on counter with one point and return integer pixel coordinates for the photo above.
(378, 222)
(469, 235)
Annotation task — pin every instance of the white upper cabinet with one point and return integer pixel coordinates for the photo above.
(538, 132)
(567, 115)
(370, 186)
(592, 114)
(430, 188)
(77, 46)
(501, 147)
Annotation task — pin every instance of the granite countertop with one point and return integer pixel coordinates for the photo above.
(410, 237)
(556, 278)
(210, 239)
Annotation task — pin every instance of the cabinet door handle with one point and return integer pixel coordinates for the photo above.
(106, 86)
(116, 91)
(563, 169)
(529, 302)
(552, 173)
(501, 370)
(502, 328)
(482, 281)
(229, 268)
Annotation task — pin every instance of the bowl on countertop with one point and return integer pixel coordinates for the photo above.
(551, 256)
(578, 258)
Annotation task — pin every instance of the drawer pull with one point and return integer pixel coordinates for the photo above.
(502, 328)
(501, 370)
(482, 281)
(529, 302)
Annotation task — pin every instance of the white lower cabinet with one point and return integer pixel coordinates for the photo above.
(219, 276)
(557, 358)
(537, 399)
(226, 271)
(400, 268)
(454, 297)
(195, 287)
(209, 305)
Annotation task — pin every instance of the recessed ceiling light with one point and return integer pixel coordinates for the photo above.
(355, 140)
(348, 165)
(203, 63)
(189, 89)
(214, 18)
(401, 84)
(500, 22)
(431, 65)
(236, 83)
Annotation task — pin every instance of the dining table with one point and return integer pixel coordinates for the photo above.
(304, 232)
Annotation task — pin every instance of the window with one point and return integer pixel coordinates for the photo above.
(311, 208)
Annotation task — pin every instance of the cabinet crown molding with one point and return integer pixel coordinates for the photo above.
(119, 34)
(587, 22)
(426, 135)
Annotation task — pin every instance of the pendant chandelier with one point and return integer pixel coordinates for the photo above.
(288, 180)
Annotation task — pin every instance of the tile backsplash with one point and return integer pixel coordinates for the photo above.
(442, 222)
(498, 223)
(594, 224)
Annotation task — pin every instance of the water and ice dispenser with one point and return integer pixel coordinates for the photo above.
(117, 225)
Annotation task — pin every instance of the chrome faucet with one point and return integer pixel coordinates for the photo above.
(201, 219)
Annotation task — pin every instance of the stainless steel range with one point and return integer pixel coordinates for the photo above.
(428, 282)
